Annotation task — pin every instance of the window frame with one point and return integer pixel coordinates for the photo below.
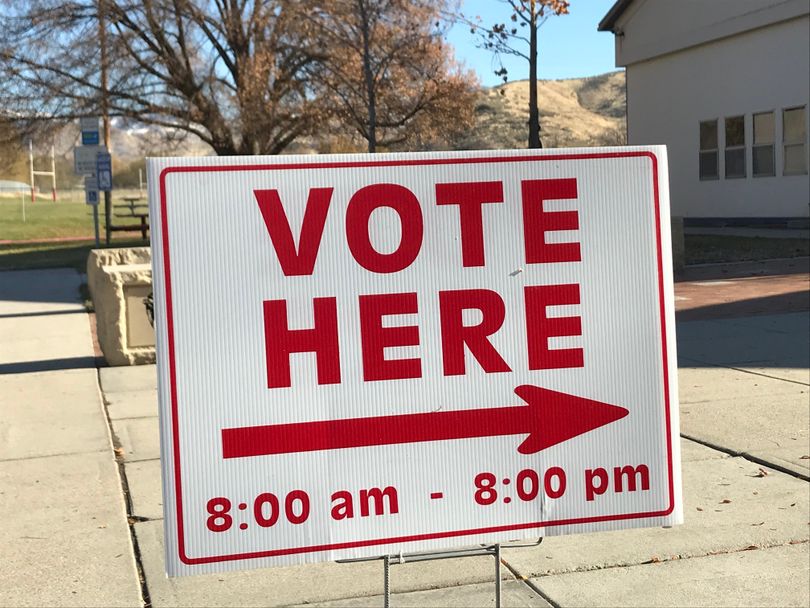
(755, 145)
(734, 148)
(716, 150)
(799, 142)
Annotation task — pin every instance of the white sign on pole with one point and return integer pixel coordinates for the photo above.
(89, 123)
(84, 159)
(91, 190)
(90, 131)
(362, 355)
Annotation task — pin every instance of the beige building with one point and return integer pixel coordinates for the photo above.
(725, 85)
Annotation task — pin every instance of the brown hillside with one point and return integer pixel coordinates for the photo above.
(574, 112)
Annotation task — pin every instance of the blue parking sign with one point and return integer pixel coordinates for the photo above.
(104, 171)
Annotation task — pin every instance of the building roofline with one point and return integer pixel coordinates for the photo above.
(609, 20)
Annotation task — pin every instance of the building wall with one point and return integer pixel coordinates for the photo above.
(767, 69)
(655, 27)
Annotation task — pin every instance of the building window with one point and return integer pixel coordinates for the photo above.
(735, 146)
(762, 151)
(793, 135)
(708, 150)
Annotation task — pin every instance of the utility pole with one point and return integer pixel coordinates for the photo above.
(105, 110)
(534, 113)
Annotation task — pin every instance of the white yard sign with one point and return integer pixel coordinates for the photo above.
(361, 355)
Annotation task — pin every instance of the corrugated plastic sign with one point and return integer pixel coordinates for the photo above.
(365, 355)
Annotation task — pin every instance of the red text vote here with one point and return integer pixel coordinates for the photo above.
(298, 255)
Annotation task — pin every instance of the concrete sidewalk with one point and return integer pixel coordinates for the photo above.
(735, 502)
(64, 538)
(744, 407)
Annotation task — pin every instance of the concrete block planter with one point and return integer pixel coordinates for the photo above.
(119, 281)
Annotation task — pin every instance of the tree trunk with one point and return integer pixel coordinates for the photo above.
(534, 112)
(371, 127)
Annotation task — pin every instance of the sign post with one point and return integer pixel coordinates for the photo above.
(366, 355)
(93, 161)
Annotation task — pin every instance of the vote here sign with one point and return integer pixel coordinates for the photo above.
(361, 355)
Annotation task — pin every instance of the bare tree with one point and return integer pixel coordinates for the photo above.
(389, 72)
(510, 38)
(236, 73)
(12, 155)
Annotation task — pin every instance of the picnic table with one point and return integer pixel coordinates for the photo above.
(132, 208)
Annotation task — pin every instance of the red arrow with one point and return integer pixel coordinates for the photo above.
(548, 418)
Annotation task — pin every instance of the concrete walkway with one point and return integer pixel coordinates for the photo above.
(64, 538)
(744, 386)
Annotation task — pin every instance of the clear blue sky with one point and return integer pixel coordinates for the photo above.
(570, 46)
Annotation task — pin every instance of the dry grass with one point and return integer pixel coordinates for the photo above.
(711, 249)
(573, 112)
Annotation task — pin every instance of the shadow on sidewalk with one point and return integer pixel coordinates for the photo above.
(796, 301)
(777, 340)
(44, 313)
(50, 365)
(51, 286)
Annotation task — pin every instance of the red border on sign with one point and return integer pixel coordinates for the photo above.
(398, 163)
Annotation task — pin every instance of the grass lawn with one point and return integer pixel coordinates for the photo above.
(46, 219)
(708, 249)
